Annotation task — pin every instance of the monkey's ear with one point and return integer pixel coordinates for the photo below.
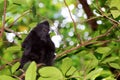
(45, 23)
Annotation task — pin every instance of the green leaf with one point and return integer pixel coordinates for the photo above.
(91, 64)
(114, 65)
(9, 52)
(115, 13)
(5, 77)
(115, 4)
(13, 49)
(103, 50)
(50, 73)
(109, 78)
(110, 59)
(72, 72)
(7, 56)
(15, 67)
(29, 2)
(31, 72)
(5, 71)
(66, 65)
(93, 74)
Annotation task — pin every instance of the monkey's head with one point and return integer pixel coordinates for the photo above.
(42, 30)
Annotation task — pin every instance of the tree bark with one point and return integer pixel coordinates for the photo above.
(89, 14)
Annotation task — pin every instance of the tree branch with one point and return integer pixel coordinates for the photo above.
(89, 14)
(78, 36)
(104, 15)
(3, 66)
(19, 18)
(86, 42)
(12, 31)
(7, 29)
(4, 17)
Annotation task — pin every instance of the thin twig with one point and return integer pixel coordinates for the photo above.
(78, 36)
(24, 72)
(86, 42)
(95, 17)
(19, 18)
(3, 66)
(22, 76)
(106, 16)
(12, 31)
(17, 77)
(70, 15)
(93, 24)
(72, 49)
(104, 34)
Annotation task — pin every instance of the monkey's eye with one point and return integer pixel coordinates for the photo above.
(45, 30)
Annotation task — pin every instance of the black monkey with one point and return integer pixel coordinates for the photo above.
(38, 46)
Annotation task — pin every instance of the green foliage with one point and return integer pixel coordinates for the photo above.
(50, 73)
(31, 72)
(93, 74)
(115, 8)
(95, 59)
(114, 65)
(5, 77)
(103, 50)
(5, 71)
(9, 53)
(15, 67)
(68, 69)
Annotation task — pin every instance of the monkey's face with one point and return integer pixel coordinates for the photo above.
(42, 30)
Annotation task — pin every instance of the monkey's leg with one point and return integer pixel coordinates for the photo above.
(24, 60)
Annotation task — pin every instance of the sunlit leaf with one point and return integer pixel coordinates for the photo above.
(5, 77)
(15, 67)
(8, 53)
(93, 74)
(5, 71)
(102, 50)
(13, 49)
(50, 73)
(110, 78)
(114, 65)
(115, 4)
(72, 72)
(66, 65)
(22, 28)
(31, 72)
(110, 59)
(115, 13)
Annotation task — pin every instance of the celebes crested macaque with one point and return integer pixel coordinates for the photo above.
(38, 46)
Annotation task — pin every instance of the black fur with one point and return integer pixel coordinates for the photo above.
(38, 46)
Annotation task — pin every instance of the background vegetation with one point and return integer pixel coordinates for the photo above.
(86, 34)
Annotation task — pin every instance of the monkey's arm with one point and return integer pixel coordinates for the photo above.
(50, 53)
